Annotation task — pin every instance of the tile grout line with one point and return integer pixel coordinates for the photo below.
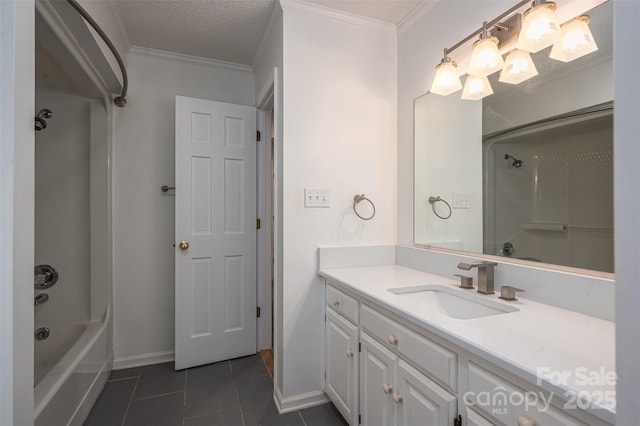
(302, 417)
(184, 400)
(235, 388)
(158, 395)
(122, 378)
(126, 412)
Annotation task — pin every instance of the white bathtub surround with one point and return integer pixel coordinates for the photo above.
(537, 340)
(67, 393)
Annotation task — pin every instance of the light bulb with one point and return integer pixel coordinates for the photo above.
(540, 28)
(518, 67)
(446, 80)
(485, 58)
(476, 88)
(576, 40)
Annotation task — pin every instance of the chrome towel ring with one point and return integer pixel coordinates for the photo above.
(433, 200)
(356, 199)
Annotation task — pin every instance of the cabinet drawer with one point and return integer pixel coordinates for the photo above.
(505, 402)
(438, 361)
(346, 305)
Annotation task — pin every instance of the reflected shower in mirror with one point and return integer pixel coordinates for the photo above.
(528, 171)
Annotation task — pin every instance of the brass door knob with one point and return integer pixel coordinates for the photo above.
(183, 245)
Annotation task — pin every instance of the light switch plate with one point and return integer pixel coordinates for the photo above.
(314, 198)
(461, 201)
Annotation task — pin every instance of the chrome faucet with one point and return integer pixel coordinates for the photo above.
(485, 275)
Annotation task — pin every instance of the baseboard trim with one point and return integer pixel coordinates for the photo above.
(143, 359)
(298, 402)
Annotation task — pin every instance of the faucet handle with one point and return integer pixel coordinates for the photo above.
(465, 281)
(508, 292)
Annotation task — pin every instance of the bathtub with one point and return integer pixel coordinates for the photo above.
(69, 390)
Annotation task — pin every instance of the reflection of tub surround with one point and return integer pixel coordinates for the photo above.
(485, 275)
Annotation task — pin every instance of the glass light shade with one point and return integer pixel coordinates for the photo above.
(476, 88)
(576, 40)
(540, 28)
(446, 80)
(518, 67)
(485, 58)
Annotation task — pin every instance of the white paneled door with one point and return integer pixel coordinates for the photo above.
(215, 285)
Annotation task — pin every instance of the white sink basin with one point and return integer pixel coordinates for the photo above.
(453, 303)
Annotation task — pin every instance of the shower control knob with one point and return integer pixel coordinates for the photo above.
(42, 333)
(44, 277)
(183, 245)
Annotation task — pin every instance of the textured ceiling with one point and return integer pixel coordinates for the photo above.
(225, 30)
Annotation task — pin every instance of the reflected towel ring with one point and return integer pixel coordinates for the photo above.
(356, 199)
(433, 200)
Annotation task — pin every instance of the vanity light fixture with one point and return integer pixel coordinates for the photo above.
(518, 67)
(516, 36)
(446, 80)
(486, 58)
(476, 88)
(540, 27)
(576, 40)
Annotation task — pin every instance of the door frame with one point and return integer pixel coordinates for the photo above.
(265, 208)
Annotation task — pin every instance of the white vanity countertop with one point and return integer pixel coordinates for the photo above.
(536, 337)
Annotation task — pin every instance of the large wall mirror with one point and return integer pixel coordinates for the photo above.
(525, 173)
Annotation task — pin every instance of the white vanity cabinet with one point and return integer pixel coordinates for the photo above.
(341, 353)
(398, 393)
(513, 401)
(383, 369)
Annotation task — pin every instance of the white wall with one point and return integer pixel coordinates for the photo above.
(627, 209)
(143, 217)
(17, 43)
(267, 68)
(340, 135)
(446, 162)
(421, 40)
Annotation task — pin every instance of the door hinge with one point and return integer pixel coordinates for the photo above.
(359, 419)
(258, 136)
(457, 421)
(258, 224)
(359, 346)
(257, 311)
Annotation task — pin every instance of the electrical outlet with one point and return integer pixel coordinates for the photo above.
(314, 198)
(461, 201)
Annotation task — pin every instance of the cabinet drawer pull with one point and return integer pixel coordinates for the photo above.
(393, 340)
(525, 421)
(397, 398)
(387, 389)
(349, 353)
(336, 302)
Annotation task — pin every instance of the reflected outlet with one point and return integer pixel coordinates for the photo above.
(461, 201)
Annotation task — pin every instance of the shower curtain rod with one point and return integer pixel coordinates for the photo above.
(121, 100)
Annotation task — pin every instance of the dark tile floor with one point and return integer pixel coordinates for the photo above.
(237, 392)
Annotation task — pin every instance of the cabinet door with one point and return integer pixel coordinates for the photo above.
(377, 367)
(341, 340)
(420, 401)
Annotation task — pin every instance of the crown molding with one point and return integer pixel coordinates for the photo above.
(421, 9)
(146, 51)
(304, 7)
